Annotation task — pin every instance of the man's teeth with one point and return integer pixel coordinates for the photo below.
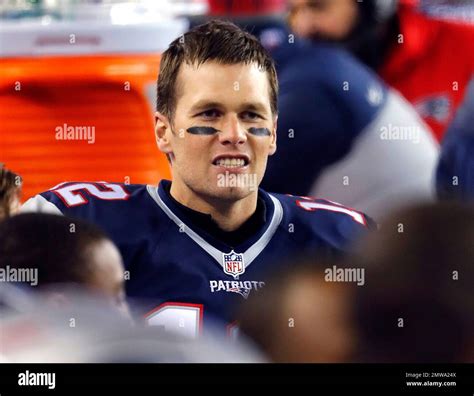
(230, 162)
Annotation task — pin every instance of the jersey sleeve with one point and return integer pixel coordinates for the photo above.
(317, 223)
(77, 199)
(41, 204)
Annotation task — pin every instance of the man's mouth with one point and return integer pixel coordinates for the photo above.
(231, 161)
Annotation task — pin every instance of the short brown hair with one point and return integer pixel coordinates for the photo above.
(44, 241)
(216, 40)
(10, 187)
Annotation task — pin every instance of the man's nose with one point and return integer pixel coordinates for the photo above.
(233, 132)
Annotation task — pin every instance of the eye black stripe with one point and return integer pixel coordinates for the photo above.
(202, 130)
(260, 131)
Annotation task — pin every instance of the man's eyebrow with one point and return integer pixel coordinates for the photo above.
(205, 104)
(254, 106)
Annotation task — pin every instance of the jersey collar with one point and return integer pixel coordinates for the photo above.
(250, 249)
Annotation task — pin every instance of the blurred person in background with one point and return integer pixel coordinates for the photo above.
(455, 173)
(414, 302)
(345, 135)
(300, 317)
(417, 304)
(63, 251)
(429, 60)
(10, 192)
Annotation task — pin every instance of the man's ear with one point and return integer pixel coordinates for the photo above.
(273, 142)
(163, 133)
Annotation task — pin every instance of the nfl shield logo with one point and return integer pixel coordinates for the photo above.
(233, 264)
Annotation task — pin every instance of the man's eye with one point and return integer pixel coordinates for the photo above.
(249, 115)
(209, 114)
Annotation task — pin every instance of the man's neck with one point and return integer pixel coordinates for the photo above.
(229, 215)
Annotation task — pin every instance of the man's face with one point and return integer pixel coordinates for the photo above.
(222, 133)
(326, 19)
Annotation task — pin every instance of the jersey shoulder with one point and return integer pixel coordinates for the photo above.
(322, 219)
(81, 199)
(305, 207)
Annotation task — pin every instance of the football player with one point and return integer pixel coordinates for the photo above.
(194, 247)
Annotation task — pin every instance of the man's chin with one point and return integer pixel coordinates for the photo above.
(230, 193)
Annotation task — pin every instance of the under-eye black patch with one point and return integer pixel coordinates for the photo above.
(202, 130)
(260, 131)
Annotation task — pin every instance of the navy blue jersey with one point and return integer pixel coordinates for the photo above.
(183, 273)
